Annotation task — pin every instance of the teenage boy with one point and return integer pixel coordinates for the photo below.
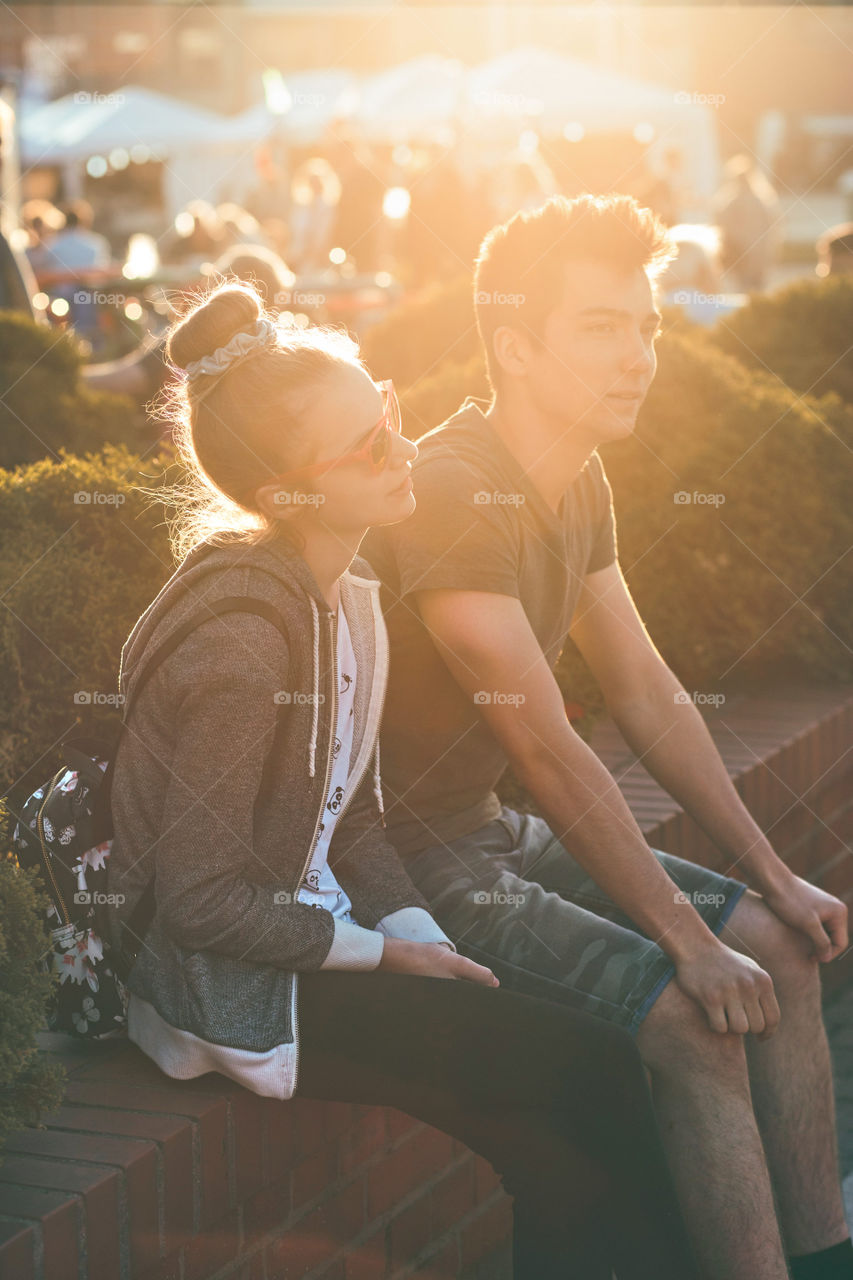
(512, 548)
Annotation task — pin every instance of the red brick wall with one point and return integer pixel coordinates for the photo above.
(138, 1177)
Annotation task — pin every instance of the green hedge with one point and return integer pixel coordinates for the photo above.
(801, 333)
(45, 405)
(428, 331)
(28, 1085)
(761, 585)
(74, 576)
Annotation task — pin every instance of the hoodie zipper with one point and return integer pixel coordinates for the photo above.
(333, 618)
(350, 792)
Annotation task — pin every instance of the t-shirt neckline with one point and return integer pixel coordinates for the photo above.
(547, 514)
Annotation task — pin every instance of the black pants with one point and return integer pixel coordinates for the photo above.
(557, 1101)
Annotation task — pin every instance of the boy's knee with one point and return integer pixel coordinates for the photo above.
(676, 1039)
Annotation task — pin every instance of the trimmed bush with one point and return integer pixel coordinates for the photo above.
(45, 405)
(83, 554)
(28, 1086)
(758, 582)
(800, 333)
(423, 334)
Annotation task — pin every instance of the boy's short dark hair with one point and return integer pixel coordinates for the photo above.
(518, 278)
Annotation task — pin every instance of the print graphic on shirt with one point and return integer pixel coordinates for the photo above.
(320, 887)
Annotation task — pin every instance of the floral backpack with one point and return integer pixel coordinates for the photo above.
(65, 829)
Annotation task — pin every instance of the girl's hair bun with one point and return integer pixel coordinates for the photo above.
(231, 309)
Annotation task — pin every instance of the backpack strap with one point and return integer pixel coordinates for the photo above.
(229, 604)
(143, 912)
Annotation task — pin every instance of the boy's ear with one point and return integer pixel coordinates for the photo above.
(511, 350)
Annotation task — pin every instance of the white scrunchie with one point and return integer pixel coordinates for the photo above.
(236, 349)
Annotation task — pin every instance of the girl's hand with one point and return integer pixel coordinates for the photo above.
(431, 960)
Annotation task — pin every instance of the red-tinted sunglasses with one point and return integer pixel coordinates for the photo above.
(376, 450)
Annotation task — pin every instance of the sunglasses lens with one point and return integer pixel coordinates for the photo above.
(380, 449)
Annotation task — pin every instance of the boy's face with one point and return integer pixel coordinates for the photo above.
(597, 359)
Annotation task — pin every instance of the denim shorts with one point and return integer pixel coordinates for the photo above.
(511, 897)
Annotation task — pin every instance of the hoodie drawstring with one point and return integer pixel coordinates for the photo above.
(377, 781)
(315, 710)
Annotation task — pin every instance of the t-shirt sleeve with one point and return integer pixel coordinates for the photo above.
(460, 535)
(604, 548)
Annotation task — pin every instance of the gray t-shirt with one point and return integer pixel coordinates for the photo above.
(480, 525)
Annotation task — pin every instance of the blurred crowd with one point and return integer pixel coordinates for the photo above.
(352, 221)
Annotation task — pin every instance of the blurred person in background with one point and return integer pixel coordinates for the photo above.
(315, 196)
(241, 226)
(77, 247)
(42, 220)
(835, 251)
(746, 210)
(144, 372)
(359, 210)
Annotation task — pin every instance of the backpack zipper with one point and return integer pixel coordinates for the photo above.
(45, 853)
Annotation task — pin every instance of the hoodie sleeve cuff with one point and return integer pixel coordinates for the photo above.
(354, 948)
(414, 924)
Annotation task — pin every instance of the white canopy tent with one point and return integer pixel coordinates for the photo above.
(82, 125)
(196, 147)
(419, 99)
(311, 101)
(548, 91)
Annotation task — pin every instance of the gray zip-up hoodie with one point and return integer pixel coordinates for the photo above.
(219, 786)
